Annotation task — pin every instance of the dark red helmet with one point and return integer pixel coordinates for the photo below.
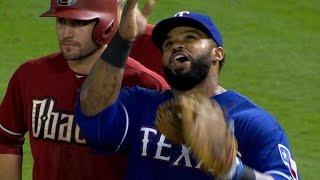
(105, 11)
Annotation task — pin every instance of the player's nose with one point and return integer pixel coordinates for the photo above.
(178, 46)
(68, 31)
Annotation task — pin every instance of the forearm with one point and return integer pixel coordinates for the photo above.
(10, 166)
(102, 86)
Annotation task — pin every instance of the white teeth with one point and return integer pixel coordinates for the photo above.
(179, 56)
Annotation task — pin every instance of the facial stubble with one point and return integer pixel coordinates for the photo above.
(198, 72)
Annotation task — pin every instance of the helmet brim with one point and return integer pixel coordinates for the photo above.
(71, 14)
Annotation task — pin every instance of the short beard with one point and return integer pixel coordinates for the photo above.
(186, 81)
(82, 54)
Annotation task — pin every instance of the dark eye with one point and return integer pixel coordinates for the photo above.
(61, 21)
(190, 37)
(79, 23)
(167, 44)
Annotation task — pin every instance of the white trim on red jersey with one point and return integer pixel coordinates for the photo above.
(10, 132)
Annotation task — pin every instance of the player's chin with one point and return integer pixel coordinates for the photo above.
(70, 55)
(180, 70)
(175, 70)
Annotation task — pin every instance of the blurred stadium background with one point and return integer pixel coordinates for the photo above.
(272, 57)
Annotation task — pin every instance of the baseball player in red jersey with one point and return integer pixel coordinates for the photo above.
(41, 96)
(152, 60)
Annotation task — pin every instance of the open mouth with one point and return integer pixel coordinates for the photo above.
(180, 62)
(181, 58)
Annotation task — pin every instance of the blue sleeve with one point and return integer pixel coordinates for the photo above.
(277, 157)
(112, 128)
(99, 131)
(264, 146)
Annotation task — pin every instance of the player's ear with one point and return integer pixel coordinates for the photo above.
(217, 54)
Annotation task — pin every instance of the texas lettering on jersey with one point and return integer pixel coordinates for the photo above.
(57, 126)
(183, 159)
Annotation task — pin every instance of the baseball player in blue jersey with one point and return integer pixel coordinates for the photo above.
(123, 120)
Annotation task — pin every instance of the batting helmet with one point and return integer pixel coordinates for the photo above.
(105, 11)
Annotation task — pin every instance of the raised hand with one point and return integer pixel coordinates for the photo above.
(133, 21)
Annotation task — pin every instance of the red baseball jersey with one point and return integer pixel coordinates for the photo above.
(40, 99)
(147, 53)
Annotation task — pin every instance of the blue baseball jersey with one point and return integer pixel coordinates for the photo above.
(129, 126)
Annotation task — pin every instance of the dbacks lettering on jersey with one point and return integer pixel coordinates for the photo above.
(57, 126)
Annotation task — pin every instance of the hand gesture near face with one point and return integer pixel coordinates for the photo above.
(133, 21)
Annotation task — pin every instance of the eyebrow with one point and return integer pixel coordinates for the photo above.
(167, 37)
(193, 31)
